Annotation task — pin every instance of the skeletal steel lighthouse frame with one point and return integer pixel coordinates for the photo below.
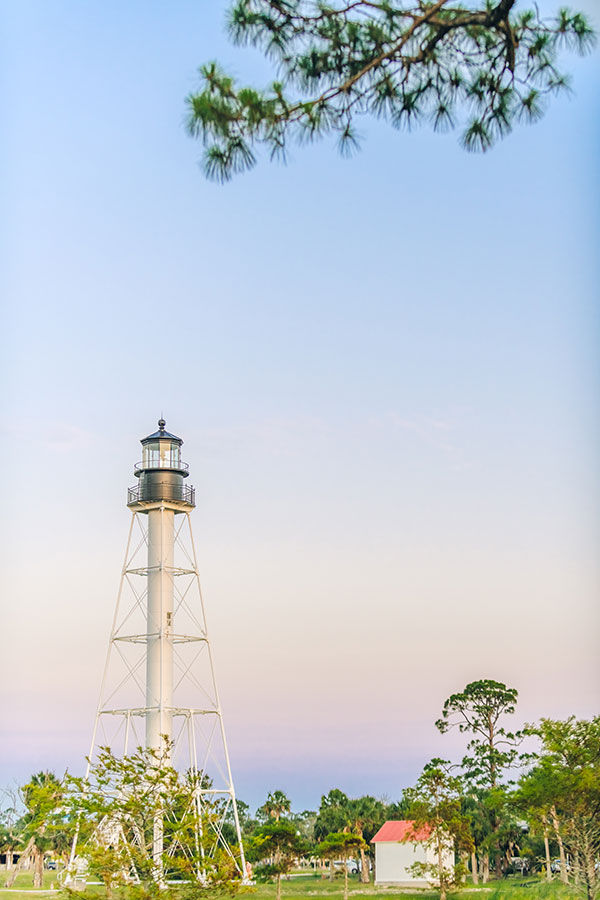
(159, 688)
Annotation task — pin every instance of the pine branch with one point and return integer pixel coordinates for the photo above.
(430, 59)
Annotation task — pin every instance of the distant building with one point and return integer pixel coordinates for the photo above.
(397, 847)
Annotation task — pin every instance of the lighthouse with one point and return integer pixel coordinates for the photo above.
(158, 688)
(161, 494)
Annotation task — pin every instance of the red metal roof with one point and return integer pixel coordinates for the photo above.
(400, 830)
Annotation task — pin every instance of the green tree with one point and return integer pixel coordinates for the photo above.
(436, 808)
(564, 786)
(9, 816)
(44, 815)
(276, 805)
(479, 710)
(479, 62)
(276, 845)
(139, 818)
(397, 810)
(364, 815)
(341, 845)
(361, 816)
(244, 815)
(480, 826)
(535, 797)
(305, 823)
(247, 823)
(332, 815)
(109, 862)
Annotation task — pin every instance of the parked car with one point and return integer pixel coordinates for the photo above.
(352, 865)
(555, 865)
(520, 864)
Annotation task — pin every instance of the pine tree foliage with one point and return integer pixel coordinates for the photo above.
(479, 710)
(477, 64)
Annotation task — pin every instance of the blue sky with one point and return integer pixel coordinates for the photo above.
(385, 370)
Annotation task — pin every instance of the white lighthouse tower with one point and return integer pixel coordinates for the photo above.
(159, 689)
(160, 495)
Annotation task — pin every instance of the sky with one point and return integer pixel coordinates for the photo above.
(385, 373)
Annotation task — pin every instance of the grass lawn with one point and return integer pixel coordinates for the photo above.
(312, 886)
(24, 881)
(23, 886)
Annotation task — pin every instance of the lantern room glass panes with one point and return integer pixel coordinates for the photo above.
(161, 455)
(173, 456)
(150, 455)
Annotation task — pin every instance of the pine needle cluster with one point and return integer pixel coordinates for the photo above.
(479, 65)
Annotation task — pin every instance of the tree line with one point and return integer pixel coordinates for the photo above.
(524, 801)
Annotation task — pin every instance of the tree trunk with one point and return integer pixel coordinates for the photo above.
(587, 859)
(591, 878)
(474, 872)
(38, 867)
(345, 879)
(485, 868)
(509, 853)
(364, 867)
(323, 868)
(20, 864)
(547, 850)
(441, 875)
(576, 874)
(564, 876)
(498, 860)
(279, 886)
(9, 858)
(331, 869)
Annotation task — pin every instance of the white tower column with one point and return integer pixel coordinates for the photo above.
(159, 657)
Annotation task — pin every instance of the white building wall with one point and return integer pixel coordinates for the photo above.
(393, 859)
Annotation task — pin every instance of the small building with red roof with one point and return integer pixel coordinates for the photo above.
(397, 846)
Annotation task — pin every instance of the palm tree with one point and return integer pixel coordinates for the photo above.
(8, 842)
(42, 798)
(363, 817)
(274, 806)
